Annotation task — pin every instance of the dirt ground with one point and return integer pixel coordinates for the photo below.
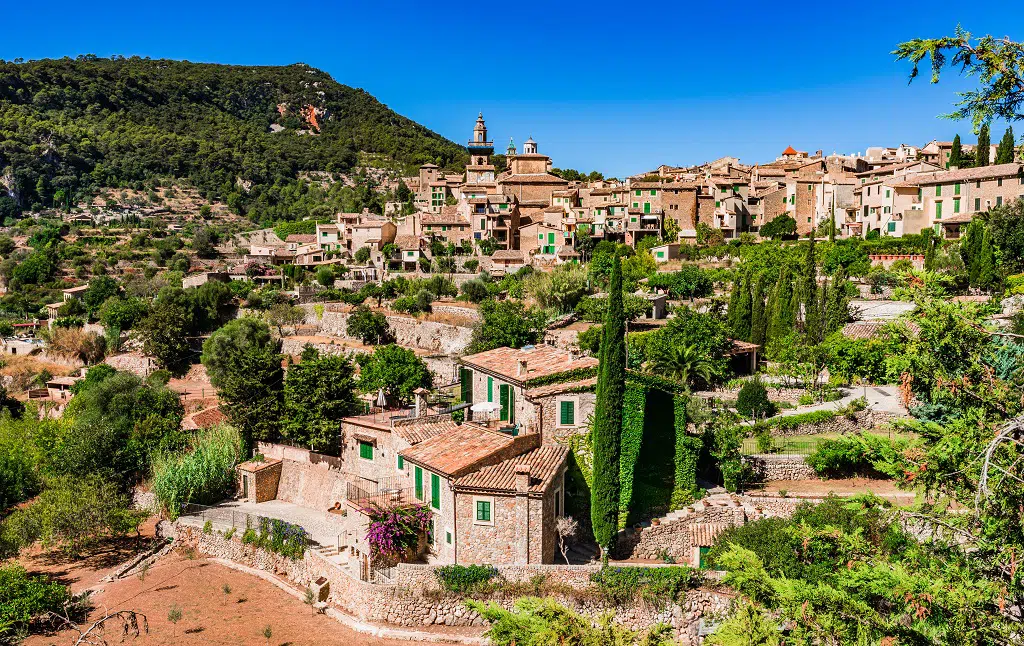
(218, 605)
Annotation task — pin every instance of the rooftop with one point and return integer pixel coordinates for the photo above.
(301, 238)
(464, 449)
(545, 464)
(540, 361)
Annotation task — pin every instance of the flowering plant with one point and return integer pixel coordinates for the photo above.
(393, 532)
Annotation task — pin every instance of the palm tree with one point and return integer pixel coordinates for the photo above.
(684, 363)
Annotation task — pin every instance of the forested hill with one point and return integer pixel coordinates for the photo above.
(73, 124)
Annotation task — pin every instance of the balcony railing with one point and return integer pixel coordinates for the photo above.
(384, 497)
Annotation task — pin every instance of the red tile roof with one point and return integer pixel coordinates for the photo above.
(545, 463)
(465, 449)
(789, 151)
(301, 238)
(541, 361)
(416, 431)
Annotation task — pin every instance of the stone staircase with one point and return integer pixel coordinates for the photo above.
(696, 509)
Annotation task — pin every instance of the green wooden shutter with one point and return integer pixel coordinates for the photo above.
(401, 463)
(366, 450)
(418, 472)
(647, 207)
(490, 389)
(503, 399)
(483, 510)
(567, 413)
(956, 204)
(938, 210)
(466, 384)
(435, 491)
(551, 238)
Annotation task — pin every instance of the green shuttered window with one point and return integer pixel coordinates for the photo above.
(365, 450)
(567, 413)
(418, 473)
(435, 491)
(483, 510)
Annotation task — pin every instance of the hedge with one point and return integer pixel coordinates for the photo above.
(621, 585)
(792, 421)
(684, 487)
(464, 579)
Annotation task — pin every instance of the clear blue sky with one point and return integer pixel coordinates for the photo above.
(616, 87)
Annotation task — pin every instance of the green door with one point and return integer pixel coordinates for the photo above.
(506, 397)
(551, 238)
(647, 207)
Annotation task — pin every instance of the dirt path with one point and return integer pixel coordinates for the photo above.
(218, 605)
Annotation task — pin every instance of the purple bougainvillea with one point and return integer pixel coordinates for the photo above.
(393, 532)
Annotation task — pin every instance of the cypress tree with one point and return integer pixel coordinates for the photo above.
(837, 307)
(606, 436)
(809, 293)
(1005, 152)
(742, 321)
(757, 312)
(929, 249)
(986, 273)
(956, 154)
(981, 152)
(783, 319)
(970, 250)
(734, 302)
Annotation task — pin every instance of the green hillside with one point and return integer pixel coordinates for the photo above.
(69, 125)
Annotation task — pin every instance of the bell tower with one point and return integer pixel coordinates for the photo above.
(480, 150)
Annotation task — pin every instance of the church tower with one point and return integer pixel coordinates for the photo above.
(530, 147)
(511, 150)
(480, 150)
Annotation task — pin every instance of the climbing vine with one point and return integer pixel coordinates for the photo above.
(684, 487)
(632, 439)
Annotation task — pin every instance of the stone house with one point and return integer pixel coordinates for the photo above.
(503, 376)
(540, 238)
(493, 496)
(409, 252)
(507, 261)
(258, 480)
(447, 225)
(373, 233)
(328, 236)
(946, 195)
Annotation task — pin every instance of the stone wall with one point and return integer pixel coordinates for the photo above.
(839, 424)
(409, 331)
(307, 479)
(415, 599)
(771, 468)
(133, 362)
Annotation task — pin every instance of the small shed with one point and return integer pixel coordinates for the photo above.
(258, 479)
(665, 252)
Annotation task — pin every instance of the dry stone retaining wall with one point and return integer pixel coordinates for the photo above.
(411, 602)
(839, 424)
(771, 468)
(409, 331)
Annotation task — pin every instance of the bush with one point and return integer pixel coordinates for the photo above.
(24, 598)
(368, 326)
(620, 585)
(475, 290)
(866, 454)
(465, 579)
(203, 475)
(752, 401)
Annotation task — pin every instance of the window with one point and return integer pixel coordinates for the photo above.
(551, 238)
(490, 389)
(661, 254)
(977, 184)
(920, 193)
(401, 463)
(717, 204)
(448, 537)
(638, 192)
(647, 207)
(418, 477)
(956, 205)
(938, 190)
(938, 210)
(956, 189)
(636, 205)
(567, 413)
(483, 223)
(435, 491)
(655, 192)
(810, 187)
(999, 201)
(887, 192)
(365, 450)
(999, 182)
(891, 227)
(483, 510)
(466, 385)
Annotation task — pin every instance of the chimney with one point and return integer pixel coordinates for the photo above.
(521, 370)
(420, 401)
(522, 478)
(572, 356)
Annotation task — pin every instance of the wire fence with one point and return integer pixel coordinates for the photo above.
(795, 445)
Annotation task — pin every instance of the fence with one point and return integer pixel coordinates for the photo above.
(226, 518)
(783, 445)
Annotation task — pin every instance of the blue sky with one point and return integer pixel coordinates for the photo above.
(616, 87)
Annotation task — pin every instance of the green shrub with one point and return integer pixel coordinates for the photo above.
(752, 401)
(765, 442)
(466, 579)
(249, 536)
(228, 534)
(858, 454)
(203, 475)
(24, 598)
(806, 399)
(208, 527)
(620, 585)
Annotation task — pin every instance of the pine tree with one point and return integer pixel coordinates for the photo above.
(606, 436)
(986, 273)
(809, 294)
(1006, 150)
(981, 152)
(782, 319)
(758, 315)
(956, 154)
(837, 308)
(744, 309)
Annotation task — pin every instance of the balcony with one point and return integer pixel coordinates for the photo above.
(385, 495)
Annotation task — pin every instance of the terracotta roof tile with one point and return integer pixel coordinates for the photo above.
(407, 242)
(507, 254)
(545, 463)
(541, 361)
(564, 387)
(416, 431)
(301, 238)
(464, 449)
(704, 534)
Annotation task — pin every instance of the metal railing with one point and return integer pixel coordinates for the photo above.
(384, 496)
(382, 575)
(783, 446)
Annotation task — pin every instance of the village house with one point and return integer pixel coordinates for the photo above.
(503, 376)
(446, 225)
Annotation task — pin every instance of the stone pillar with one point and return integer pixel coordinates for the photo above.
(522, 515)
